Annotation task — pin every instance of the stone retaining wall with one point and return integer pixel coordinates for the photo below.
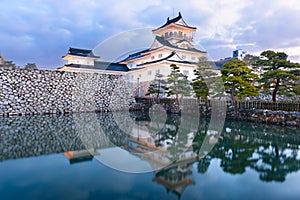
(34, 135)
(283, 118)
(25, 92)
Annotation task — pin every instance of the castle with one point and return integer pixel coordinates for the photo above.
(173, 44)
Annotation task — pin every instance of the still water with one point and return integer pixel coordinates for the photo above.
(145, 156)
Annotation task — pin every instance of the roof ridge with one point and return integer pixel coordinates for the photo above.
(174, 20)
(159, 60)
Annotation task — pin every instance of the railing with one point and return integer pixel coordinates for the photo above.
(265, 105)
(154, 100)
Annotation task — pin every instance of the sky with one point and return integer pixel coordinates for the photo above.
(41, 31)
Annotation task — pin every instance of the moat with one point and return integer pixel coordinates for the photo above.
(145, 156)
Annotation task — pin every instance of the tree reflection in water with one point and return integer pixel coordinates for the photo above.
(272, 151)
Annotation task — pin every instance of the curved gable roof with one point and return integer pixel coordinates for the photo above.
(173, 21)
(168, 44)
(81, 52)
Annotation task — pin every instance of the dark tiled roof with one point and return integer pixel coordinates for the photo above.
(174, 20)
(183, 40)
(166, 43)
(138, 54)
(81, 52)
(183, 61)
(101, 65)
(159, 60)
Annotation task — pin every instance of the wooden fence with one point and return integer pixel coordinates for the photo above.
(268, 105)
(265, 105)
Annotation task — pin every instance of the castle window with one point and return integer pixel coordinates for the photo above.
(183, 57)
(175, 34)
(152, 57)
(193, 58)
(149, 73)
(157, 71)
(180, 34)
(160, 55)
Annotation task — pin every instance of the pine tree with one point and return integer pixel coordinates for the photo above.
(205, 77)
(178, 83)
(8, 64)
(278, 76)
(30, 66)
(158, 86)
(238, 79)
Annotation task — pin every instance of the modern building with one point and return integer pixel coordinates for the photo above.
(239, 54)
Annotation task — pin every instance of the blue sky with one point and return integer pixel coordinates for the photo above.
(41, 31)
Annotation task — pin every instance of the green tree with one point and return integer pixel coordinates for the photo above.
(238, 79)
(178, 83)
(158, 86)
(250, 59)
(204, 75)
(277, 76)
(207, 81)
(9, 64)
(296, 88)
(30, 66)
(200, 88)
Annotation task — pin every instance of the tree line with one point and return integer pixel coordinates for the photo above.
(13, 65)
(278, 76)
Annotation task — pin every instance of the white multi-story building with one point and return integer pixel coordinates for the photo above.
(239, 54)
(173, 44)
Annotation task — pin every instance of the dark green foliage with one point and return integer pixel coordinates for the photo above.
(250, 60)
(204, 83)
(279, 78)
(238, 79)
(178, 83)
(200, 88)
(30, 66)
(8, 64)
(158, 86)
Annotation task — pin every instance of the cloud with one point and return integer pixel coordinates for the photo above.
(38, 30)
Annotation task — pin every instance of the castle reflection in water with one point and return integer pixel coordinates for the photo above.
(171, 145)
